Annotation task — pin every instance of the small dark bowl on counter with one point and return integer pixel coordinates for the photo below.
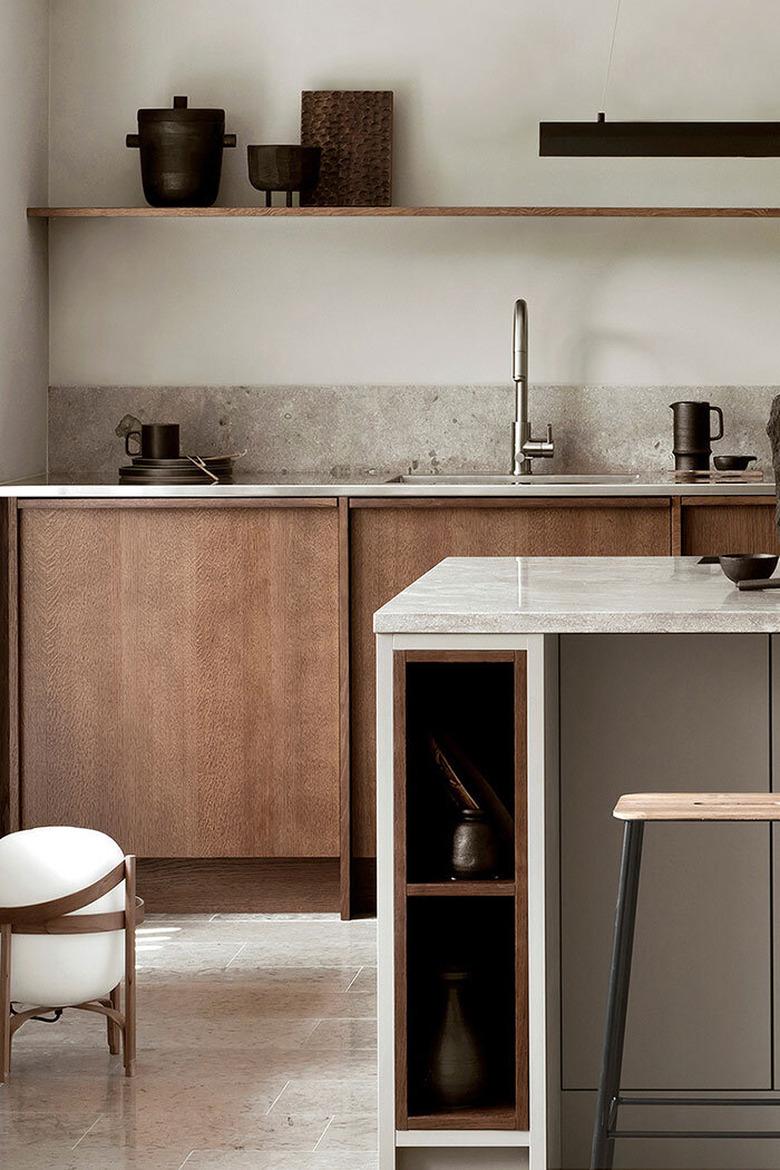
(733, 462)
(748, 566)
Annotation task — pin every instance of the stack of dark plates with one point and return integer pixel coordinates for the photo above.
(174, 472)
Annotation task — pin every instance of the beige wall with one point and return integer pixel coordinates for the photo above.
(427, 301)
(24, 71)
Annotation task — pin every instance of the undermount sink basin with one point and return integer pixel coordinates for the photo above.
(512, 480)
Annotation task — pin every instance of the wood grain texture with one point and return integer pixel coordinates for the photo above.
(487, 1118)
(345, 824)
(162, 504)
(522, 1101)
(392, 546)
(9, 669)
(5, 1003)
(239, 885)
(698, 806)
(181, 678)
(676, 526)
(465, 212)
(353, 129)
(711, 526)
(129, 1030)
(542, 503)
(728, 501)
(461, 889)
(399, 893)
(490, 1117)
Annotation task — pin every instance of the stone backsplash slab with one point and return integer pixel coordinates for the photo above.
(342, 434)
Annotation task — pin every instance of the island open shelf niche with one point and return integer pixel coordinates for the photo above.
(461, 945)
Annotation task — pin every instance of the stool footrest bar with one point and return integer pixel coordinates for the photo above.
(747, 1101)
(720, 1134)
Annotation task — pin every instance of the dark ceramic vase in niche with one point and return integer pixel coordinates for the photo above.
(458, 1075)
(181, 154)
(476, 851)
(283, 168)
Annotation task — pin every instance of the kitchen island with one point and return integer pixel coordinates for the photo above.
(560, 683)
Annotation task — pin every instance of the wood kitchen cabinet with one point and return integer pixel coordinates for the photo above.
(392, 542)
(720, 524)
(179, 682)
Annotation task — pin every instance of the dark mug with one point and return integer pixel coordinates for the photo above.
(693, 434)
(155, 441)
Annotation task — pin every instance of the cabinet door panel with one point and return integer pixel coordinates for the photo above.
(390, 546)
(180, 677)
(734, 526)
(667, 713)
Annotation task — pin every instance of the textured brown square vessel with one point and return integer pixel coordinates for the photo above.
(354, 130)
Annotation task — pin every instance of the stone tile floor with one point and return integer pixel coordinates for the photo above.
(256, 1049)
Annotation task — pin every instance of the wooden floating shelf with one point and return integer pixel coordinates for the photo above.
(461, 889)
(401, 212)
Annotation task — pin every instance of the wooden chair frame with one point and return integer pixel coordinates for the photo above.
(57, 917)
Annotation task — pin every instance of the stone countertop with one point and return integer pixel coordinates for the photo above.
(304, 490)
(577, 595)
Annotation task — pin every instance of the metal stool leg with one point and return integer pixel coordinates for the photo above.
(603, 1149)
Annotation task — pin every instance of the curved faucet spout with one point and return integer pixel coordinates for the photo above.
(520, 341)
(524, 446)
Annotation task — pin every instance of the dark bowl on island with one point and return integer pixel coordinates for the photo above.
(748, 566)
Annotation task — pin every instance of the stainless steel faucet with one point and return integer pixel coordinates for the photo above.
(524, 446)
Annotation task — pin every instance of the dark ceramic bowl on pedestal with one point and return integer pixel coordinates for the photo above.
(283, 168)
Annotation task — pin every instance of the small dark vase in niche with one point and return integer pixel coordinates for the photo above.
(283, 168)
(459, 1070)
(476, 851)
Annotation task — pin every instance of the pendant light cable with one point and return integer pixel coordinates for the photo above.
(611, 54)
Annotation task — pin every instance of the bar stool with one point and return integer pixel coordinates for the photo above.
(634, 810)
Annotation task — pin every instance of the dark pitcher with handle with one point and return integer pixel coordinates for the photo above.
(693, 434)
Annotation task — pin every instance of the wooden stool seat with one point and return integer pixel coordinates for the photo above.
(698, 806)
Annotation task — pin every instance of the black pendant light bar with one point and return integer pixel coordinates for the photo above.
(660, 139)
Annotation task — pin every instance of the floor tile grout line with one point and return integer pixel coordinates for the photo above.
(309, 1035)
(87, 1131)
(186, 1160)
(275, 1100)
(352, 980)
(235, 956)
(322, 1135)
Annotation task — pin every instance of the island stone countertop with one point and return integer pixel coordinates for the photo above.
(572, 595)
